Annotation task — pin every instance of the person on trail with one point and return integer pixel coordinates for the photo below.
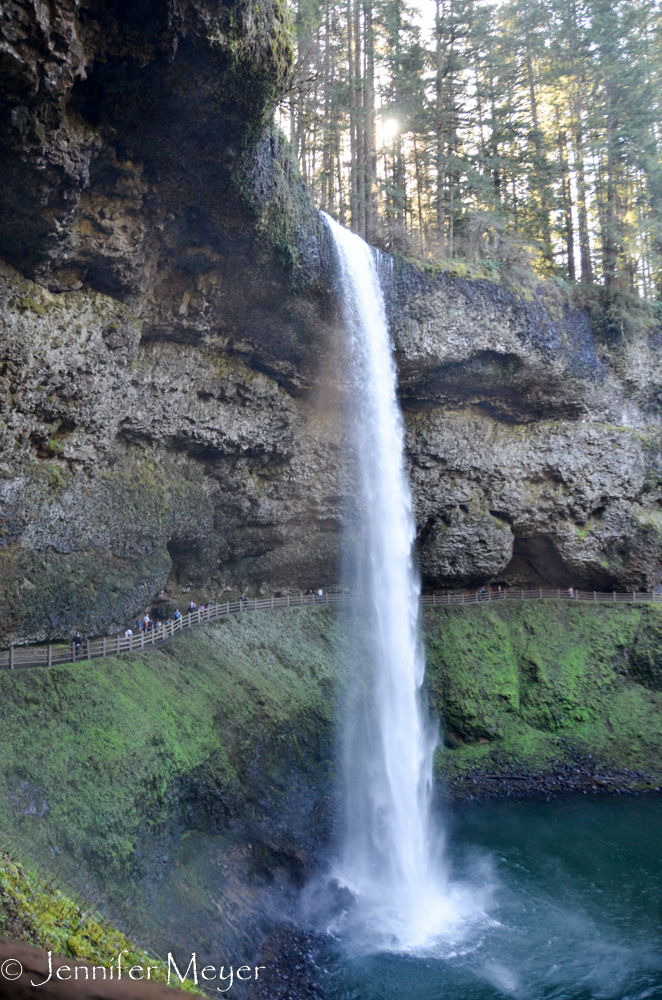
(320, 594)
(571, 591)
(128, 633)
(77, 641)
(243, 602)
(178, 615)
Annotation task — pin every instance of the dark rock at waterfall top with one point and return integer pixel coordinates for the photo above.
(173, 377)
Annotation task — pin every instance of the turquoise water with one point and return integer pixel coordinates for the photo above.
(569, 906)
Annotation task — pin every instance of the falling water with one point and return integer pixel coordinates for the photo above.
(388, 860)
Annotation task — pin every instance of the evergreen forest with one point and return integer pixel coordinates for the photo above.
(520, 134)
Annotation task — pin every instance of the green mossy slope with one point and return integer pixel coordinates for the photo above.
(34, 911)
(220, 725)
(525, 683)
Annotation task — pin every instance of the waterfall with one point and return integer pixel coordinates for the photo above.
(388, 860)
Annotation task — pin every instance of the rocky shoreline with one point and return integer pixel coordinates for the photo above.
(577, 776)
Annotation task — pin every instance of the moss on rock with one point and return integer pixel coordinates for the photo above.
(106, 762)
(33, 910)
(525, 683)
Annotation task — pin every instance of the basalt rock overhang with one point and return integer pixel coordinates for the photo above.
(139, 161)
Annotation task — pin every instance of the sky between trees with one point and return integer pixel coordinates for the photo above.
(523, 131)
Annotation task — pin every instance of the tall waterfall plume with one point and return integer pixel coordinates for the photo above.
(388, 860)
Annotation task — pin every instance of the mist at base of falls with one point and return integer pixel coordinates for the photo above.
(574, 888)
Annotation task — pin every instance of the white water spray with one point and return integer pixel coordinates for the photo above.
(388, 860)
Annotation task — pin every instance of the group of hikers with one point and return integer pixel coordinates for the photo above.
(146, 625)
(151, 628)
(486, 595)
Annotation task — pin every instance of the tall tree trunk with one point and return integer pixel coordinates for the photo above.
(360, 122)
(540, 171)
(353, 205)
(418, 196)
(440, 133)
(326, 200)
(567, 199)
(582, 213)
(341, 194)
(609, 227)
(370, 125)
(494, 144)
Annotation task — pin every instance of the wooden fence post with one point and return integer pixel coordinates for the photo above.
(11, 657)
(50, 655)
(118, 644)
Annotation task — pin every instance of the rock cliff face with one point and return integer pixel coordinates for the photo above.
(534, 444)
(172, 379)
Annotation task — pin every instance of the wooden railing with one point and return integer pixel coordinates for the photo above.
(47, 655)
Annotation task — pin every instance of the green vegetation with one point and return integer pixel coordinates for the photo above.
(34, 306)
(522, 683)
(33, 910)
(98, 755)
(113, 765)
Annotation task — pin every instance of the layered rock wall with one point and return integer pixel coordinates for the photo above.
(534, 444)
